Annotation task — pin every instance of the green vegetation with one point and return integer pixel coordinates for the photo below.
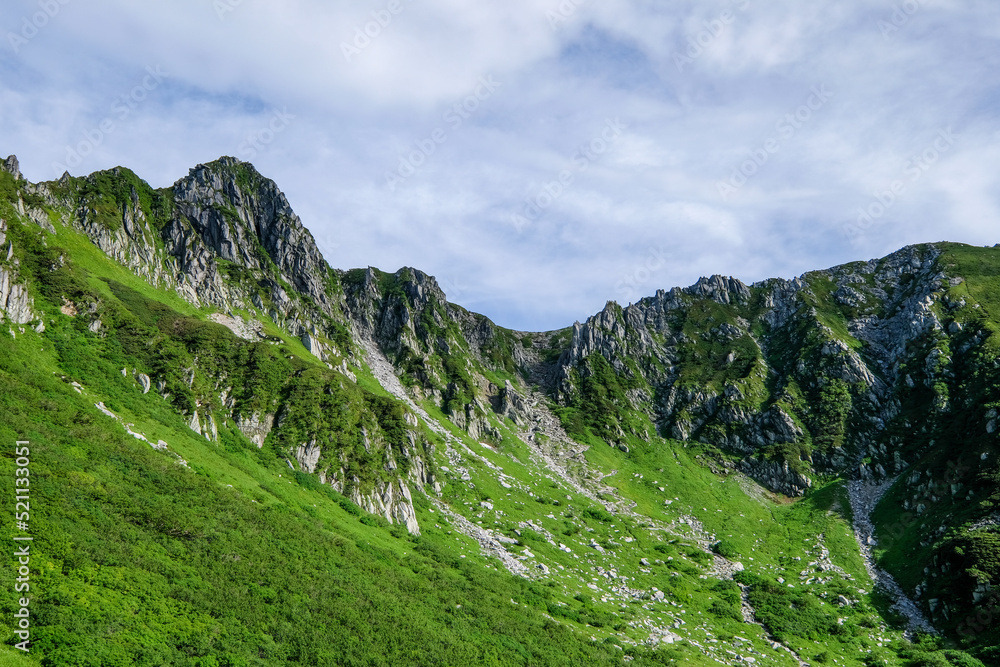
(600, 408)
(109, 194)
(143, 561)
(923, 522)
(788, 613)
(213, 549)
(833, 408)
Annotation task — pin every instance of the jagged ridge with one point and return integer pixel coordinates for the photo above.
(788, 381)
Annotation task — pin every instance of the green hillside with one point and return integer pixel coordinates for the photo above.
(241, 456)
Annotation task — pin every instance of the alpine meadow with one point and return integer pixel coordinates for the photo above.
(225, 452)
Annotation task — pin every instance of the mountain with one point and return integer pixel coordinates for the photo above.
(240, 455)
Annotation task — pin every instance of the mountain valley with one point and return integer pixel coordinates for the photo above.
(241, 456)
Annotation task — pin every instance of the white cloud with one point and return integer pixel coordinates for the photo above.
(688, 128)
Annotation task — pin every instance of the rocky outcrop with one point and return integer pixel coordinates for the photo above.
(228, 211)
(15, 303)
(223, 236)
(392, 501)
(776, 475)
(387, 309)
(721, 373)
(204, 425)
(313, 345)
(255, 427)
(748, 368)
(251, 330)
(11, 166)
(511, 405)
(721, 289)
(129, 238)
(308, 456)
(145, 382)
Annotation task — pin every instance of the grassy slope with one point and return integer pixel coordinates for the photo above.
(232, 560)
(143, 561)
(237, 561)
(105, 600)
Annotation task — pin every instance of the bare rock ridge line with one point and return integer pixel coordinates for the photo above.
(885, 310)
(225, 214)
(859, 371)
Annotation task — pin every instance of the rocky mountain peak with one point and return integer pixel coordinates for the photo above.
(244, 218)
(11, 166)
(884, 372)
(722, 289)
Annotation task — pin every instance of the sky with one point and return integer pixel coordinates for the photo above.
(539, 157)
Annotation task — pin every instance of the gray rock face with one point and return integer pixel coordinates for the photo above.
(720, 289)
(251, 330)
(15, 304)
(390, 319)
(394, 502)
(777, 476)
(132, 243)
(222, 214)
(719, 361)
(314, 346)
(308, 456)
(204, 424)
(511, 405)
(255, 427)
(889, 304)
(11, 166)
(772, 335)
(226, 210)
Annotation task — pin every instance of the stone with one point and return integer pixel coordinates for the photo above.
(255, 427)
(12, 167)
(15, 303)
(308, 456)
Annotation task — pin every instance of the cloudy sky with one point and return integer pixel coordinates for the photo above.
(540, 157)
